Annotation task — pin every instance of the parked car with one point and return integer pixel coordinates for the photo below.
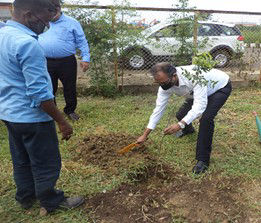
(223, 42)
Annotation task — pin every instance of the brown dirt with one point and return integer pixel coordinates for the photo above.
(161, 201)
(159, 193)
(102, 151)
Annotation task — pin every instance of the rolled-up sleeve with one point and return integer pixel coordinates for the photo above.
(161, 104)
(199, 103)
(81, 42)
(34, 68)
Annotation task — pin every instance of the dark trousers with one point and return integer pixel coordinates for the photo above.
(65, 70)
(36, 162)
(206, 127)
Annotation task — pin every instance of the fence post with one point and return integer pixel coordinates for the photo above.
(115, 54)
(195, 31)
(260, 75)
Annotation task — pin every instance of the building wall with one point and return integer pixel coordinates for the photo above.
(5, 11)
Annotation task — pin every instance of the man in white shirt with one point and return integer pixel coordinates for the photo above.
(201, 100)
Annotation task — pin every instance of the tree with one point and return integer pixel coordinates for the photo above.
(108, 33)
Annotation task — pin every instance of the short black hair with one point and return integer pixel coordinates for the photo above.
(57, 3)
(34, 5)
(164, 67)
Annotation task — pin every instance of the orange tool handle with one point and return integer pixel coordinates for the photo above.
(127, 148)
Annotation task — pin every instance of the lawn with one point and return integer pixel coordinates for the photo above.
(153, 183)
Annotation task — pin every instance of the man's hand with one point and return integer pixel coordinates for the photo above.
(141, 139)
(84, 66)
(172, 129)
(144, 137)
(50, 108)
(66, 130)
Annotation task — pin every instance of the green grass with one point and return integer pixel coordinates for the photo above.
(252, 36)
(236, 150)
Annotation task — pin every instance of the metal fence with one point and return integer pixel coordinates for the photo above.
(232, 38)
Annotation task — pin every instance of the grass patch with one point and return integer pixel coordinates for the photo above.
(236, 155)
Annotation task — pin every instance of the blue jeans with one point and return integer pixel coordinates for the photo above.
(36, 162)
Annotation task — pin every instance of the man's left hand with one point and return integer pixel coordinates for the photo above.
(172, 129)
(84, 66)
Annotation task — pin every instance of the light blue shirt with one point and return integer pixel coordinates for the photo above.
(2, 24)
(24, 80)
(63, 38)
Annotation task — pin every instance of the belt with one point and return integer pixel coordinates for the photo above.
(60, 58)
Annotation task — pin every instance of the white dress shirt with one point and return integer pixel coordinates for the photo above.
(189, 90)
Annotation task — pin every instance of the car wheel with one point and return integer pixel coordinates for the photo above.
(221, 57)
(136, 59)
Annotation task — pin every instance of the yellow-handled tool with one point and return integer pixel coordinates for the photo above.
(127, 148)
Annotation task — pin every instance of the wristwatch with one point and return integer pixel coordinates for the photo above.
(182, 126)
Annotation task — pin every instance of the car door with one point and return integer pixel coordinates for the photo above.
(208, 37)
(163, 41)
(229, 36)
(216, 35)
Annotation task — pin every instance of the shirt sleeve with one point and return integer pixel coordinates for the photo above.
(81, 42)
(34, 69)
(199, 103)
(161, 104)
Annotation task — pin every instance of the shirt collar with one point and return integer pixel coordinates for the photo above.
(62, 17)
(22, 27)
(180, 76)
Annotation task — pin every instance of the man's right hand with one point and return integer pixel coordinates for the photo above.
(66, 130)
(144, 137)
(141, 139)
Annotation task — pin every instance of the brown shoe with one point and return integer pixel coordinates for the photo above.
(73, 116)
(72, 202)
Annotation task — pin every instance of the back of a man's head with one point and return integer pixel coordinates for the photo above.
(57, 3)
(164, 67)
(32, 5)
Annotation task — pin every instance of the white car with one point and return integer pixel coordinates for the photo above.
(223, 42)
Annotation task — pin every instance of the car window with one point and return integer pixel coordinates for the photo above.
(166, 32)
(209, 30)
(229, 31)
(217, 30)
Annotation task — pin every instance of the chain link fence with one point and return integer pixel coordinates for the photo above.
(138, 38)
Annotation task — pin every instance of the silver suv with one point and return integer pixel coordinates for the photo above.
(223, 42)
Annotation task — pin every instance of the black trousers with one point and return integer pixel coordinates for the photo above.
(65, 70)
(207, 125)
(36, 162)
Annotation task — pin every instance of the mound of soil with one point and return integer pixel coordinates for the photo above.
(102, 151)
(161, 195)
(158, 193)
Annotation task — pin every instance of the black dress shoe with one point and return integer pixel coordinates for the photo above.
(200, 167)
(68, 203)
(73, 116)
(72, 202)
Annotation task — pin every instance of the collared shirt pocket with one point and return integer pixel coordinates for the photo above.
(63, 33)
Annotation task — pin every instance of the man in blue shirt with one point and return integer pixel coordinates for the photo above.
(2, 24)
(28, 109)
(59, 43)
